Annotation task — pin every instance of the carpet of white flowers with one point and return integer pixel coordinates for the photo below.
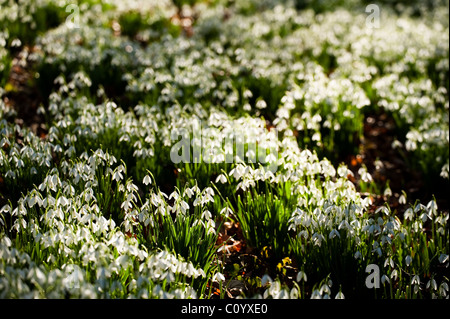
(92, 204)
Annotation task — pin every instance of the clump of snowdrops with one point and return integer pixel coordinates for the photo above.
(96, 208)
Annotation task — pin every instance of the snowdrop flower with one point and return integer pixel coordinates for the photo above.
(408, 260)
(443, 258)
(419, 207)
(367, 201)
(51, 182)
(226, 211)
(76, 226)
(340, 295)
(175, 195)
(198, 201)
(388, 262)
(188, 192)
(237, 171)
(445, 171)
(376, 248)
(402, 199)
(221, 178)
(409, 214)
(303, 234)
(415, 280)
(206, 214)
(117, 175)
(261, 104)
(365, 175)
(334, 233)
(394, 274)
(218, 277)
(443, 289)
(266, 280)
(147, 180)
(432, 207)
(343, 171)
(184, 206)
(293, 294)
(317, 239)
(416, 289)
(432, 283)
(387, 192)
(301, 275)
(382, 209)
(275, 291)
(316, 294)
(385, 279)
(325, 290)
(424, 216)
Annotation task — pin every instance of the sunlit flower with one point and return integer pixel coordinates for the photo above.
(226, 211)
(402, 199)
(221, 178)
(218, 277)
(409, 214)
(241, 77)
(147, 180)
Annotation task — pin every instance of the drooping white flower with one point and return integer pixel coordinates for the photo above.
(408, 260)
(385, 279)
(147, 180)
(301, 275)
(402, 199)
(340, 295)
(443, 258)
(334, 233)
(226, 211)
(265, 280)
(221, 178)
(218, 277)
(409, 214)
(432, 283)
(415, 280)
